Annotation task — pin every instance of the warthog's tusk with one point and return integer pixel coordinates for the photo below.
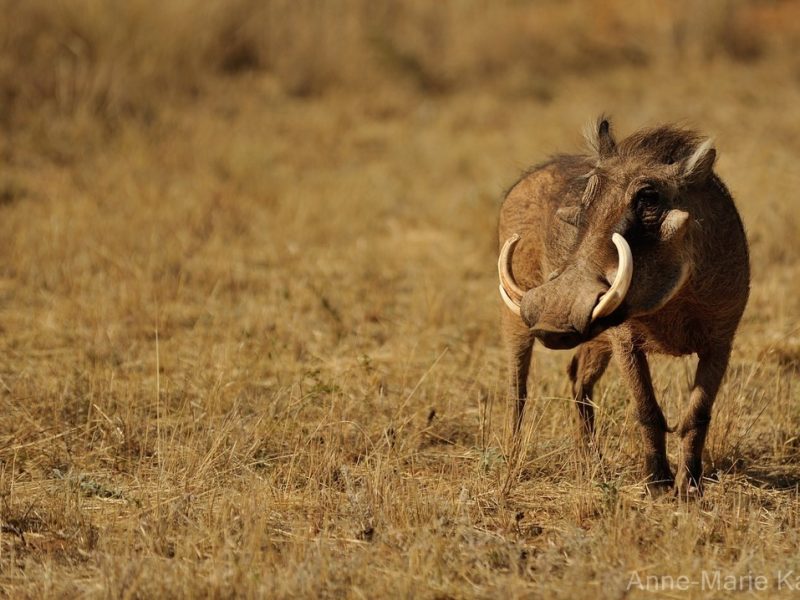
(611, 300)
(510, 292)
(513, 306)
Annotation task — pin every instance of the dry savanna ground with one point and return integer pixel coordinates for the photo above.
(248, 311)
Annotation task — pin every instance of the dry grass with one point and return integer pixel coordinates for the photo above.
(249, 315)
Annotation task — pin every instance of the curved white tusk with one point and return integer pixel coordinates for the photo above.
(510, 292)
(513, 307)
(611, 300)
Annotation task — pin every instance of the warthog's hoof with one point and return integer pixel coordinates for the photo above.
(656, 488)
(688, 487)
(659, 476)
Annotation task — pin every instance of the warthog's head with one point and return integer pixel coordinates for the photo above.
(629, 254)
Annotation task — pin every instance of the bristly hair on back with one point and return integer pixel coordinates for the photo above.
(666, 144)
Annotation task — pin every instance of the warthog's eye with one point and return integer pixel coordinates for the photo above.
(648, 195)
(648, 206)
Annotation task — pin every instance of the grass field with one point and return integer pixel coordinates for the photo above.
(248, 306)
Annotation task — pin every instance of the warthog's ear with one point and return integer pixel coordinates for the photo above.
(600, 139)
(700, 163)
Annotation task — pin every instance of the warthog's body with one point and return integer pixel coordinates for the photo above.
(687, 292)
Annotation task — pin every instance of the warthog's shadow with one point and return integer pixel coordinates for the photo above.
(780, 476)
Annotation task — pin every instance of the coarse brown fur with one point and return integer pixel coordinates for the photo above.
(690, 281)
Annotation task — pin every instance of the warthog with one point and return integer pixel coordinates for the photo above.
(634, 248)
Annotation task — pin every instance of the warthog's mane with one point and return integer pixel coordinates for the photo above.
(665, 144)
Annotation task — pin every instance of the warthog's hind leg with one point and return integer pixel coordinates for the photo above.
(694, 425)
(585, 369)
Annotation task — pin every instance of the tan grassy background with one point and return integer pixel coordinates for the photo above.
(248, 306)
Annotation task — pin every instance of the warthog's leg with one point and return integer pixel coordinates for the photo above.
(694, 425)
(633, 365)
(519, 347)
(585, 368)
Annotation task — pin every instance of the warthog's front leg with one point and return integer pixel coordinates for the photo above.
(694, 425)
(519, 347)
(585, 368)
(633, 365)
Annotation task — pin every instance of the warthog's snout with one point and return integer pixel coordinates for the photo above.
(559, 312)
(572, 307)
